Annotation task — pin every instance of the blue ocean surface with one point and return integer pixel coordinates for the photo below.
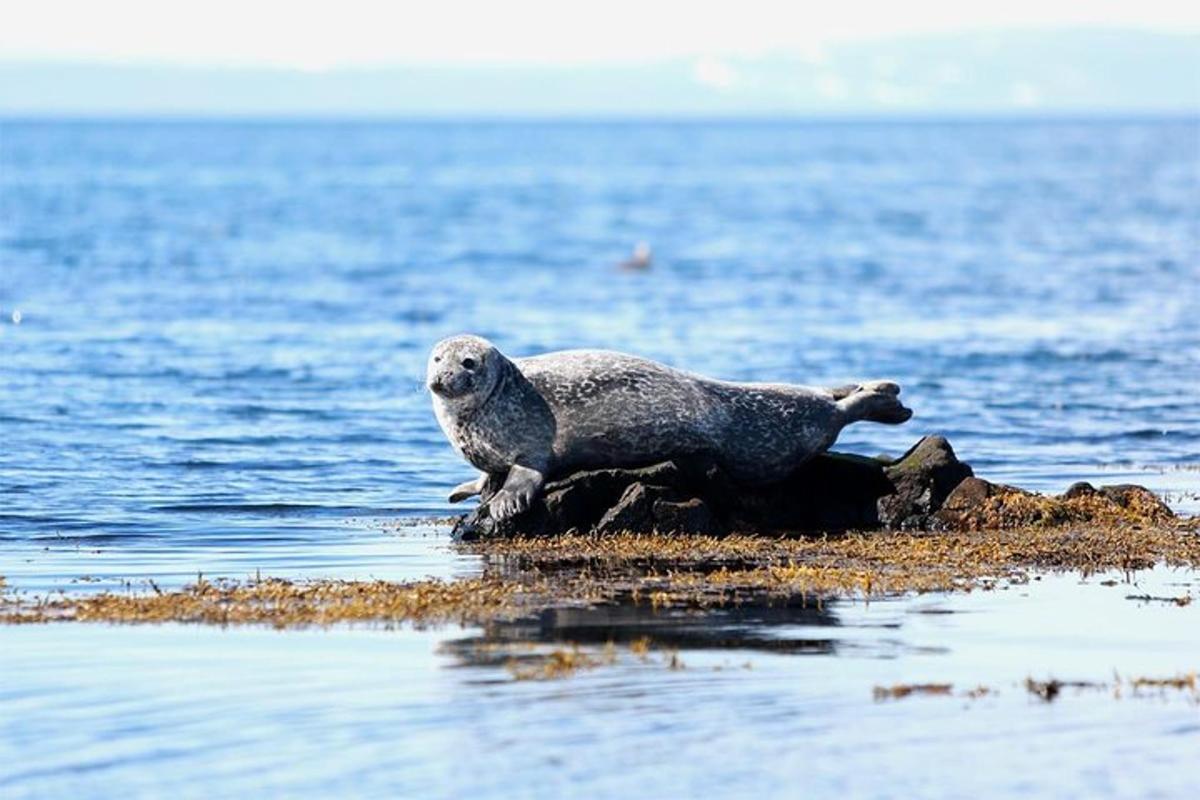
(212, 348)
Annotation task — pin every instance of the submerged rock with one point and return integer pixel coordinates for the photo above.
(927, 488)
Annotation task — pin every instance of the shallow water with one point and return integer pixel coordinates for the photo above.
(767, 699)
(217, 368)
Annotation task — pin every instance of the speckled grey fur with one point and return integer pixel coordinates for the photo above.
(522, 420)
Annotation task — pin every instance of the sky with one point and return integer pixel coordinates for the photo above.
(345, 33)
(615, 57)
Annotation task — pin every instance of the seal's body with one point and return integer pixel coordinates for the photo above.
(523, 420)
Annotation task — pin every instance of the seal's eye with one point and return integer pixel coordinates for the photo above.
(437, 359)
(468, 363)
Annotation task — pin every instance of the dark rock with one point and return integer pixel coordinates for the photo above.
(474, 525)
(1137, 500)
(1080, 489)
(634, 512)
(973, 491)
(690, 516)
(922, 479)
(577, 501)
(832, 492)
(965, 502)
(927, 488)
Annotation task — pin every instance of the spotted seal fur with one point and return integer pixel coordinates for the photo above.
(523, 420)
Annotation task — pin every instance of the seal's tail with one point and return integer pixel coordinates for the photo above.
(875, 401)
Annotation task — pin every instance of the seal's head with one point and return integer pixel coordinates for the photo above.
(463, 370)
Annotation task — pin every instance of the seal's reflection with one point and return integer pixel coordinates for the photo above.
(776, 625)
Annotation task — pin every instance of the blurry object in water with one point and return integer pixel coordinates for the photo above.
(902, 690)
(640, 259)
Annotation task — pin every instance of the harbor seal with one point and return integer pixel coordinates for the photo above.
(521, 421)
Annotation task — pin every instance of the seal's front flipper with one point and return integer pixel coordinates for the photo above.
(486, 485)
(518, 493)
(468, 489)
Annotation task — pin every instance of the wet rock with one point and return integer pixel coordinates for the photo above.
(591, 500)
(832, 492)
(963, 505)
(1135, 500)
(978, 504)
(927, 488)
(922, 479)
(690, 516)
(633, 512)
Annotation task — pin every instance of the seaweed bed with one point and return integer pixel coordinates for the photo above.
(522, 577)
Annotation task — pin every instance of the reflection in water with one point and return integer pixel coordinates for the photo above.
(630, 620)
(780, 626)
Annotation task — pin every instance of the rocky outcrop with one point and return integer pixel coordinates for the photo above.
(979, 505)
(927, 488)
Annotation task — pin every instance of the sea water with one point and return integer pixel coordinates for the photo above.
(212, 346)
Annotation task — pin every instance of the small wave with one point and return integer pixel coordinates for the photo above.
(255, 373)
(289, 465)
(235, 441)
(278, 439)
(65, 523)
(1149, 433)
(258, 411)
(259, 508)
(101, 537)
(1111, 355)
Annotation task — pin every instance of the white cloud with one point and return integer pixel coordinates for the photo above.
(715, 73)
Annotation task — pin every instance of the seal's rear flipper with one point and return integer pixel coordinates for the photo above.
(875, 401)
